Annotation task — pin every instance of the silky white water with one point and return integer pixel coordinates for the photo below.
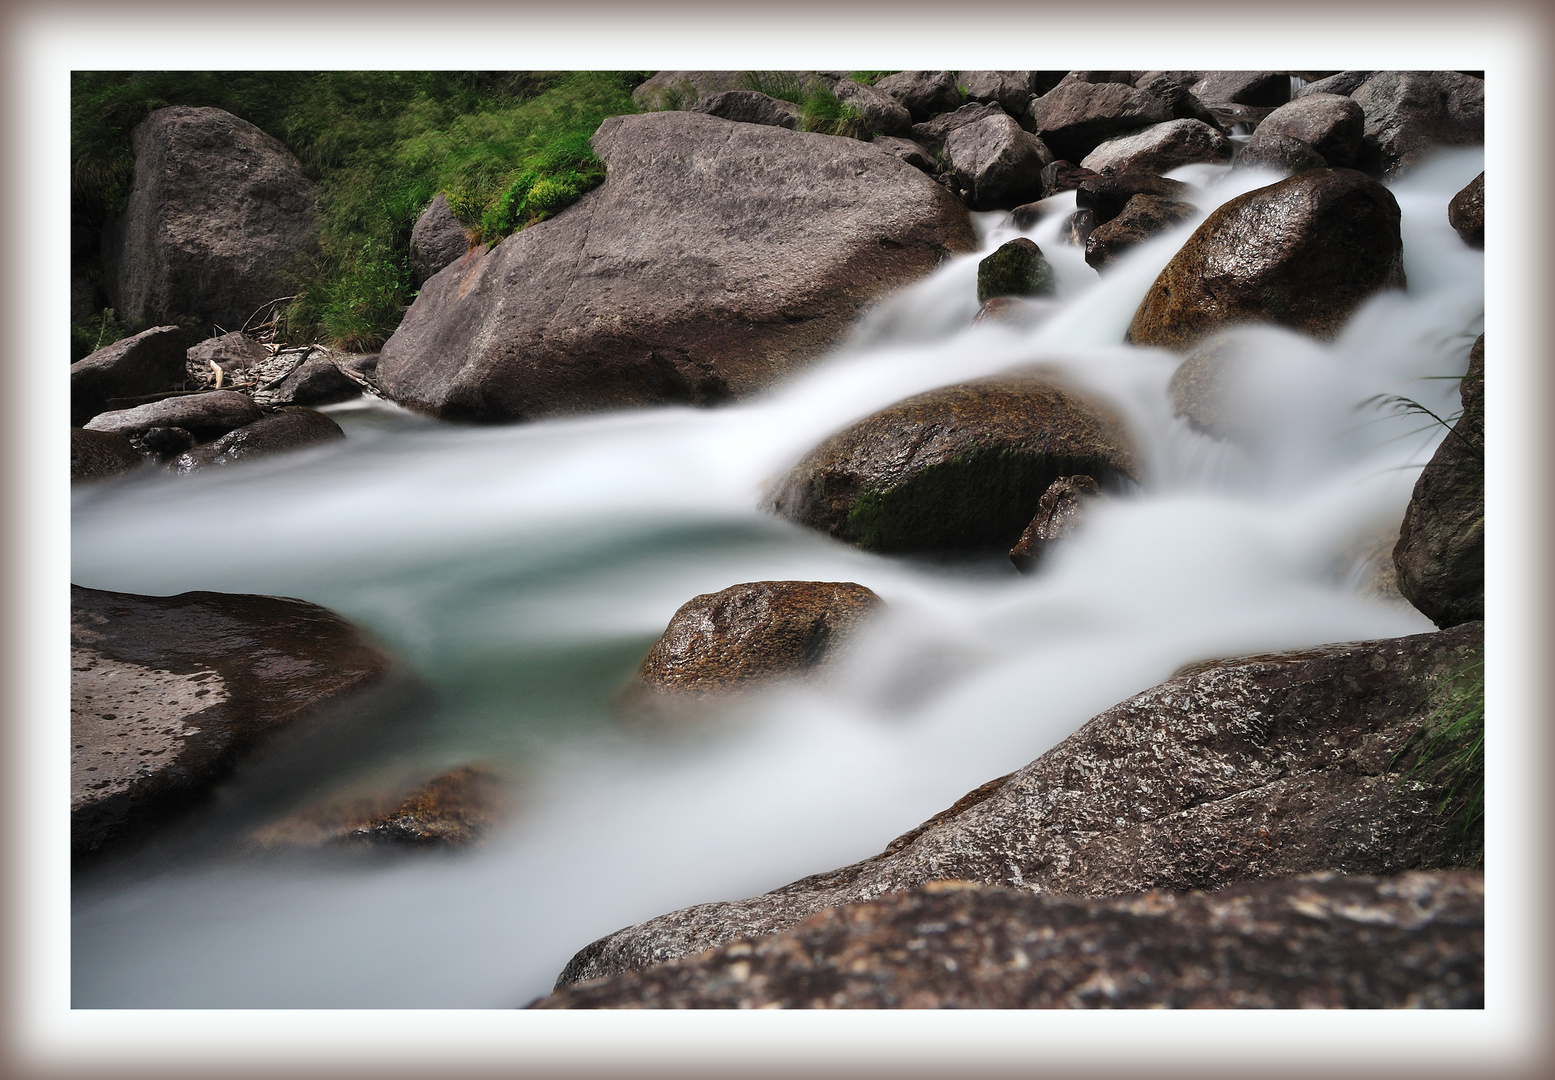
(523, 571)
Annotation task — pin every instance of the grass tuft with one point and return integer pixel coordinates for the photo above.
(821, 111)
(1451, 757)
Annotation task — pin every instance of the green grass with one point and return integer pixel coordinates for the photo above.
(508, 148)
(821, 111)
(1451, 758)
(869, 78)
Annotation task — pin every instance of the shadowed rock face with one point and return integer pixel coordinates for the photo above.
(1074, 117)
(147, 363)
(168, 692)
(1160, 149)
(1466, 212)
(1331, 124)
(1410, 113)
(95, 455)
(1302, 253)
(1321, 941)
(1016, 268)
(922, 93)
(680, 279)
(1262, 767)
(959, 468)
(1143, 217)
(437, 239)
(1058, 514)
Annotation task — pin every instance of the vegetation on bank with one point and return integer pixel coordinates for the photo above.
(508, 148)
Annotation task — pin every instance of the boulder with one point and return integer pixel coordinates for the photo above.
(206, 415)
(1278, 153)
(933, 133)
(715, 258)
(1016, 268)
(1106, 196)
(1125, 78)
(1026, 215)
(751, 107)
(1330, 124)
(1261, 88)
(1176, 89)
(958, 468)
(293, 428)
(1063, 176)
(318, 380)
(168, 692)
(1345, 82)
(922, 93)
(1440, 555)
(1074, 118)
(1011, 90)
(997, 164)
(882, 115)
(907, 150)
(437, 239)
(1058, 514)
(454, 809)
(1200, 388)
(95, 455)
(1160, 149)
(147, 363)
(1416, 940)
(230, 352)
(1466, 212)
(217, 220)
(1302, 253)
(747, 636)
(1410, 113)
(688, 89)
(1143, 217)
(1264, 767)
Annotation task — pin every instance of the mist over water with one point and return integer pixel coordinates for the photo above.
(523, 571)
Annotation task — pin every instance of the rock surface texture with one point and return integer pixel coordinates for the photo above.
(1302, 253)
(1058, 514)
(1466, 212)
(1016, 268)
(958, 468)
(751, 107)
(146, 363)
(96, 455)
(1160, 149)
(167, 692)
(1075, 117)
(677, 280)
(1410, 113)
(205, 416)
(996, 165)
(1324, 941)
(292, 428)
(922, 93)
(1331, 124)
(1142, 217)
(1440, 555)
(437, 239)
(1263, 767)
(218, 214)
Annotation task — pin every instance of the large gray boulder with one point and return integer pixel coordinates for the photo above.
(147, 363)
(1331, 124)
(923, 93)
(1302, 253)
(1160, 149)
(217, 220)
(1258, 767)
(715, 258)
(1075, 116)
(996, 163)
(437, 239)
(1410, 113)
(1261, 88)
(168, 692)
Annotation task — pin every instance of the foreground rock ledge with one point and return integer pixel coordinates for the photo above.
(1323, 941)
(716, 257)
(1262, 767)
(167, 692)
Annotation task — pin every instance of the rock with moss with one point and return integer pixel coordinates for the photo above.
(881, 114)
(1016, 268)
(959, 468)
(1440, 555)
(437, 239)
(716, 258)
(1058, 514)
(1466, 212)
(1160, 149)
(1144, 217)
(147, 363)
(1303, 253)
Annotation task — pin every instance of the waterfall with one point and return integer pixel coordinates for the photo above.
(524, 570)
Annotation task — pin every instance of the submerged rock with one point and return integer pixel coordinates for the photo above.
(1261, 767)
(168, 692)
(292, 428)
(958, 468)
(1016, 268)
(452, 810)
(715, 258)
(1143, 217)
(96, 455)
(1466, 212)
(206, 416)
(1440, 555)
(1416, 940)
(1302, 253)
(146, 363)
(1058, 514)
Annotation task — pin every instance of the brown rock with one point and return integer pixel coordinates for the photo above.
(1063, 176)
(1078, 228)
(1012, 91)
(318, 380)
(147, 363)
(95, 455)
(1278, 153)
(997, 164)
(1058, 514)
(1074, 117)
(1466, 212)
(931, 134)
(452, 810)
(1160, 149)
(1016, 268)
(205, 416)
(1330, 124)
(1260, 88)
(881, 114)
(437, 239)
(292, 428)
(923, 93)
(1106, 196)
(1416, 940)
(907, 150)
(1143, 217)
(1302, 253)
(1344, 82)
(1410, 113)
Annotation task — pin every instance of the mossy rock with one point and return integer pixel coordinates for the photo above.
(1017, 268)
(961, 468)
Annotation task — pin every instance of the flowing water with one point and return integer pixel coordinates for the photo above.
(523, 571)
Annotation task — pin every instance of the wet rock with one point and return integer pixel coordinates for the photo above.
(1440, 555)
(1011, 90)
(1466, 212)
(716, 257)
(907, 150)
(1175, 88)
(1012, 310)
(168, 692)
(997, 163)
(1024, 216)
(1278, 153)
(231, 353)
(882, 115)
(1330, 124)
(1058, 514)
(1106, 196)
(147, 363)
(165, 442)
(437, 239)
(1416, 940)
(1074, 118)
(1202, 387)
(1261, 88)
(205, 416)
(1302, 253)
(1078, 229)
(747, 636)
(1160, 149)
(922, 93)
(1345, 82)
(318, 380)
(1017, 268)
(96, 455)
(217, 218)
(958, 468)
(293, 428)
(1256, 768)
(1063, 176)
(751, 107)
(1238, 119)
(452, 810)
(1143, 217)
(1409, 113)
(932, 134)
